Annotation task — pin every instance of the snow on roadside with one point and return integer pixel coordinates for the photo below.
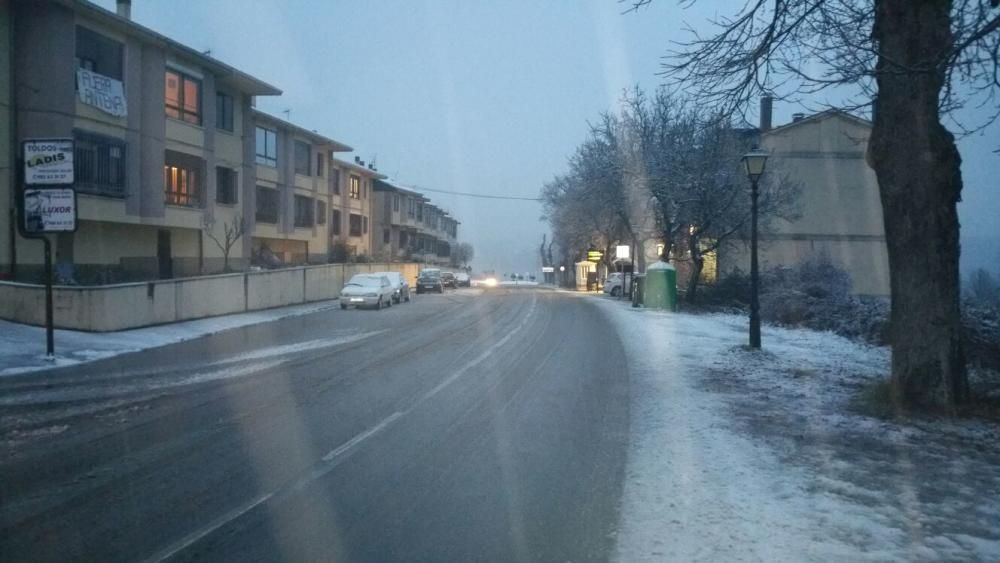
(22, 347)
(737, 455)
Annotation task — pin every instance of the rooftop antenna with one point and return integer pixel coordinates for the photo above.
(207, 52)
(288, 114)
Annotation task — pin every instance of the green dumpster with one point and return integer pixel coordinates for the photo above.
(660, 287)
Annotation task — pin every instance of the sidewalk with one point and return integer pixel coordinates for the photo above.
(740, 455)
(22, 347)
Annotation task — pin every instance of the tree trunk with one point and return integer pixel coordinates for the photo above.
(917, 165)
(697, 264)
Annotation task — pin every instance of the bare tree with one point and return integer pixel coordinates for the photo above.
(461, 254)
(913, 57)
(231, 233)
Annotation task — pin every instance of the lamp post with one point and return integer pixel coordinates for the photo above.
(754, 162)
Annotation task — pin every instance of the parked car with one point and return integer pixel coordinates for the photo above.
(463, 280)
(613, 284)
(367, 290)
(401, 287)
(429, 282)
(448, 279)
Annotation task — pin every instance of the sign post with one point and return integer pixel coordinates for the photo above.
(47, 204)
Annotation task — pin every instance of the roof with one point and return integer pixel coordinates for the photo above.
(336, 146)
(388, 184)
(357, 168)
(833, 112)
(238, 78)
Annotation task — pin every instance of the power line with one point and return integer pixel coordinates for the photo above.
(482, 196)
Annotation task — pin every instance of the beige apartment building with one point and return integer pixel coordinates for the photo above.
(161, 169)
(296, 195)
(353, 196)
(409, 227)
(840, 213)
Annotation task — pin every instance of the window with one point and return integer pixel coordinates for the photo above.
(183, 97)
(97, 53)
(335, 181)
(364, 190)
(182, 180)
(364, 224)
(354, 225)
(386, 236)
(320, 164)
(99, 164)
(267, 147)
(410, 209)
(335, 222)
(420, 212)
(302, 154)
(395, 203)
(304, 208)
(225, 185)
(223, 111)
(355, 187)
(267, 205)
(320, 212)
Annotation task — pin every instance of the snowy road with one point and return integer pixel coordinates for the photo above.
(453, 428)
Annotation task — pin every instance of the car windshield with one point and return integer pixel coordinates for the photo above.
(473, 280)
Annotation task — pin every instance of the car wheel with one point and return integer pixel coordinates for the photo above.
(388, 303)
(616, 292)
(343, 305)
(407, 297)
(378, 305)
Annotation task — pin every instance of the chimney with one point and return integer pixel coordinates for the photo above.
(125, 9)
(766, 105)
(357, 160)
(798, 117)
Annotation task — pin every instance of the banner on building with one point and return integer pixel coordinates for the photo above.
(49, 210)
(101, 92)
(48, 161)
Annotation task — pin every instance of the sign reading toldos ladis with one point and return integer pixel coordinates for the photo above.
(48, 161)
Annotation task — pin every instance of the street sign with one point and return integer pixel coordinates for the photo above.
(548, 269)
(594, 256)
(49, 210)
(622, 251)
(48, 161)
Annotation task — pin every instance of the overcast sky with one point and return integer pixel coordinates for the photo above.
(479, 96)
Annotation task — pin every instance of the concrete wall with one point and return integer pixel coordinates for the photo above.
(134, 305)
(7, 177)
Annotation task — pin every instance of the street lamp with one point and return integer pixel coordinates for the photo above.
(754, 162)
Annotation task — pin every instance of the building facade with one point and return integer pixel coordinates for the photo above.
(839, 209)
(295, 188)
(409, 227)
(351, 231)
(162, 133)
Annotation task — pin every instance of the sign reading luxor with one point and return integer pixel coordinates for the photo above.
(105, 94)
(49, 210)
(48, 161)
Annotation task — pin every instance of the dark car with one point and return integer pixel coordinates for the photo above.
(463, 279)
(448, 279)
(429, 283)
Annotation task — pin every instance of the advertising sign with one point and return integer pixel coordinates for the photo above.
(101, 92)
(49, 210)
(548, 269)
(48, 161)
(622, 251)
(594, 256)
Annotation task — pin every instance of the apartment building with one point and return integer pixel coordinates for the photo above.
(164, 141)
(297, 197)
(353, 196)
(408, 226)
(840, 212)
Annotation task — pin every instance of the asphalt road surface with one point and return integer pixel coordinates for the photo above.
(462, 427)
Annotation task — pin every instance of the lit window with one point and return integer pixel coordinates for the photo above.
(355, 187)
(183, 97)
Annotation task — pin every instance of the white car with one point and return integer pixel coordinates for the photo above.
(367, 290)
(400, 287)
(613, 284)
(463, 279)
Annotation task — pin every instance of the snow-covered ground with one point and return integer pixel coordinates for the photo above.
(22, 347)
(745, 456)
